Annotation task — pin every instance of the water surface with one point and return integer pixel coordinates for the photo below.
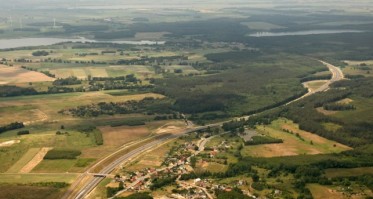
(297, 33)
(27, 42)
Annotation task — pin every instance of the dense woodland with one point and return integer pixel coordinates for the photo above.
(250, 84)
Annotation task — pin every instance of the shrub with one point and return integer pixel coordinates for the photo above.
(263, 140)
(11, 126)
(23, 132)
(40, 53)
(62, 154)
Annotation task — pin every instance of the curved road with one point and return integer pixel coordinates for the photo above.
(90, 185)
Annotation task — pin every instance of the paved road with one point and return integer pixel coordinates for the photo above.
(336, 76)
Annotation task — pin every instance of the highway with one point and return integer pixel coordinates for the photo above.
(92, 183)
(337, 75)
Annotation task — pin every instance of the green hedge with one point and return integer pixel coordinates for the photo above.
(62, 154)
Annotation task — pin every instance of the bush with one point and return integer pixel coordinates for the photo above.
(67, 81)
(258, 186)
(263, 140)
(61, 154)
(40, 53)
(137, 196)
(23, 132)
(50, 184)
(98, 137)
(11, 126)
(9, 91)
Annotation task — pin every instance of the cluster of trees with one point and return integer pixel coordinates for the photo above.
(168, 117)
(338, 107)
(161, 182)
(147, 105)
(263, 140)
(10, 91)
(40, 53)
(235, 193)
(85, 54)
(111, 191)
(62, 154)
(140, 195)
(11, 126)
(23, 132)
(47, 73)
(146, 60)
(67, 81)
(57, 185)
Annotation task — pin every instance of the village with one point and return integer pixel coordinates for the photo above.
(179, 162)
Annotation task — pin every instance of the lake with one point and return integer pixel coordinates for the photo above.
(27, 42)
(298, 33)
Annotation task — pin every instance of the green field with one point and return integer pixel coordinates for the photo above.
(54, 166)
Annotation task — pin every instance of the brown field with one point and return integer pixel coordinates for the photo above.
(117, 136)
(292, 145)
(11, 75)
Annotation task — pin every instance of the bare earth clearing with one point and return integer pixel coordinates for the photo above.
(9, 143)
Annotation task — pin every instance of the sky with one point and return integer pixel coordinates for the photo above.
(22, 4)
